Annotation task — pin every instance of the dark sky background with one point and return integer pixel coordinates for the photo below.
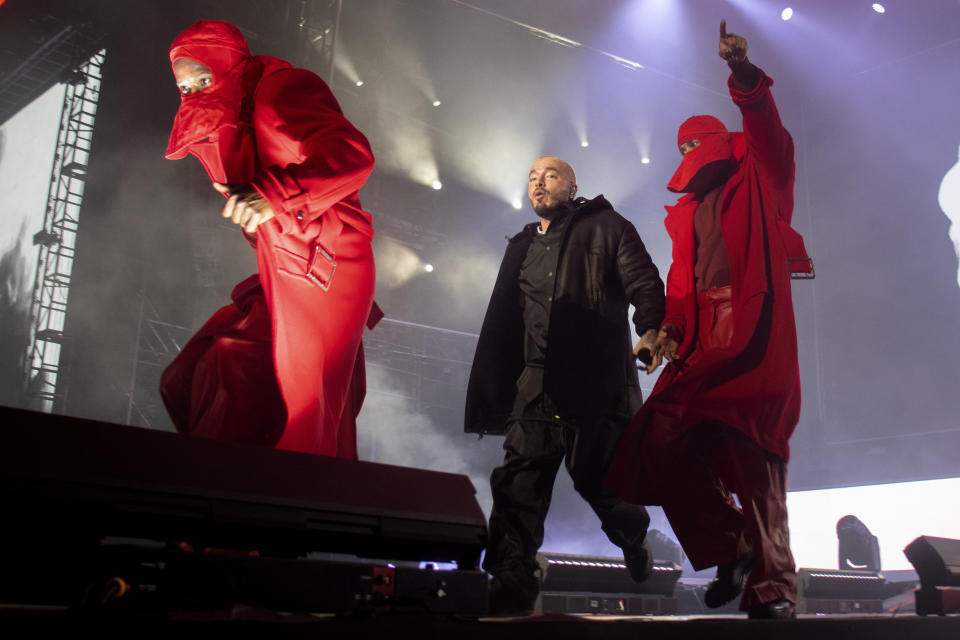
(871, 100)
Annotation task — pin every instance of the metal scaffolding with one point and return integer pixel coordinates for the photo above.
(57, 240)
(429, 366)
(158, 343)
(318, 24)
(53, 61)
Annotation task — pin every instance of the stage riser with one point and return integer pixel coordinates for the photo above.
(89, 480)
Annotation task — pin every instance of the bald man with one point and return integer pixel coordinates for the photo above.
(554, 372)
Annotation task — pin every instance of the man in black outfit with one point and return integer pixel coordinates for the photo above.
(554, 372)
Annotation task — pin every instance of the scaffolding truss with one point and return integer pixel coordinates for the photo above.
(57, 240)
(54, 61)
(318, 23)
(429, 366)
(158, 343)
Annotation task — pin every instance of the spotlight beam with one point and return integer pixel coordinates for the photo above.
(567, 42)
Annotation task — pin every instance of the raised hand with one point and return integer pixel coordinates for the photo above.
(733, 48)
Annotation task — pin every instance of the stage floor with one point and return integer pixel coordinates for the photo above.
(249, 621)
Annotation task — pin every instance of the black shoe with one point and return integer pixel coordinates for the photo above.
(509, 599)
(776, 610)
(729, 583)
(639, 561)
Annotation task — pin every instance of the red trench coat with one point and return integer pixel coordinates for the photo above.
(314, 260)
(754, 385)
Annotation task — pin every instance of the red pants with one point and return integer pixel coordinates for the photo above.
(698, 471)
(716, 462)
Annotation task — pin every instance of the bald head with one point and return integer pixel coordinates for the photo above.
(552, 182)
(559, 164)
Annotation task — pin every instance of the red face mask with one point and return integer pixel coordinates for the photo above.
(708, 164)
(217, 115)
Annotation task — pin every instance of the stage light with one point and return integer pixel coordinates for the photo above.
(787, 13)
(437, 185)
(584, 143)
(644, 160)
(858, 548)
(879, 8)
(517, 204)
(437, 103)
(359, 83)
(428, 268)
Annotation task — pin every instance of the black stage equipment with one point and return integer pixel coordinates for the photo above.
(68, 483)
(857, 547)
(127, 578)
(840, 591)
(937, 562)
(598, 584)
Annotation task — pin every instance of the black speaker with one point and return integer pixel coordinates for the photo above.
(937, 562)
(66, 484)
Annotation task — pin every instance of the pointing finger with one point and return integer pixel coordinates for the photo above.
(723, 28)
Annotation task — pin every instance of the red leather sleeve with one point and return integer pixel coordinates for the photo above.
(313, 156)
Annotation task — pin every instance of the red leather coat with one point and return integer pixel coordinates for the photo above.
(754, 385)
(281, 130)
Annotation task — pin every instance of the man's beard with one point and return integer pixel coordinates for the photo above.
(548, 211)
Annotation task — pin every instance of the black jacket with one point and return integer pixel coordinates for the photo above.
(590, 370)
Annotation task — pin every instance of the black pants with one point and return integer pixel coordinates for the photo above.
(522, 487)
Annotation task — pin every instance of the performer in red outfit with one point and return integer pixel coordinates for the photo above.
(283, 365)
(721, 414)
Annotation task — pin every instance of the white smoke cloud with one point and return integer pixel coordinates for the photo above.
(391, 430)
(949, 199)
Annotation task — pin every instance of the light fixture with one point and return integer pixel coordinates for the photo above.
(786, 14)
(879, 8)
(437, 185)
(437, 103)
(584, 143)
(644, 160)
(359, 83)
(517, 204)
(428, 268)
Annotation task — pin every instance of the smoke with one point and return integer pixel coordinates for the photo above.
(949, 199)
(467, 274)
(15, 287)
(392, 430)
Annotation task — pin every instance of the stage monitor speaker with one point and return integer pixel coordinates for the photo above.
(67, 483)
(937, 562)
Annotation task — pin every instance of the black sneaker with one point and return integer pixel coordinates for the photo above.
(510, 599)
(776, 610)
(639, 561)
(729, 582)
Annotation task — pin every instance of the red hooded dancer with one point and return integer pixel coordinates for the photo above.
(719, 418)
(283, 365)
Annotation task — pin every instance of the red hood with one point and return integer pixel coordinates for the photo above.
(715, 154)
(206, 114)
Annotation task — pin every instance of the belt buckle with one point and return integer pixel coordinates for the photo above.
(801, 274)
(321, 252)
